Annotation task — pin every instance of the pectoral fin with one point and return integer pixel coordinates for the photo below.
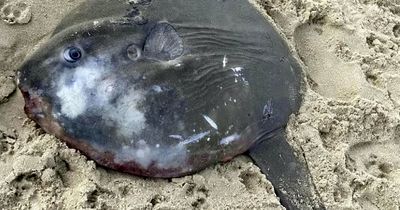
(163, 43)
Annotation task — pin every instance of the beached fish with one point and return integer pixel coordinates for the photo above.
(165, 88)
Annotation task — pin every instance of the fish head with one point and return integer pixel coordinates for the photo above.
(95, 61)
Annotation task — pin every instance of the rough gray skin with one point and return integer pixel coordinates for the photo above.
(169, 87)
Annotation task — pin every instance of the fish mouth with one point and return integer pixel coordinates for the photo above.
(34, 104)
(38, 110)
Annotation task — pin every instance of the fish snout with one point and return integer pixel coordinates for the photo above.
(35, 106)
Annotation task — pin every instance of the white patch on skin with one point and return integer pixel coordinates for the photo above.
(105, 91)
(145, 155)
(172, 63)
(73, 97)
(126, 114)
(229, 139)
(211, 122)
(268, 109)
(73, 103)
(224, 61)
(179, 137)
(92, 88)
(237, 70)
(238, 74)
(195, 138)
(157, 88)
(56, 115)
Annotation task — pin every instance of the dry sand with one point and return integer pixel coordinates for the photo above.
(348, 128)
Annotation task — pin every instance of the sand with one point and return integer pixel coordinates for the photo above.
(348, 128)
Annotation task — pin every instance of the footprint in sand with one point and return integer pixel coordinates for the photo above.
(16, 12)
(327, 51)
(379, 160)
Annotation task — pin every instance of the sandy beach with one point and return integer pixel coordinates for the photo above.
(348, 128)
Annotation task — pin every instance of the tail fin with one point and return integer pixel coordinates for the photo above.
(288, 173)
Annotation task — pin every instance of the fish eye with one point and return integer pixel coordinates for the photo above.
(72, 54)
(133, 52)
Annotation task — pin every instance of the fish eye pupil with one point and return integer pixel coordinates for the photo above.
(72, 54)
(75, 54)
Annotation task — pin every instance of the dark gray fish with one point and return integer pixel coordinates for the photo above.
(165, 88)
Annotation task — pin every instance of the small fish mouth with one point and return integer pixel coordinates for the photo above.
(34, 105)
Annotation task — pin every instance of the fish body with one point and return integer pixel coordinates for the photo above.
(163, 88)
(164, 93)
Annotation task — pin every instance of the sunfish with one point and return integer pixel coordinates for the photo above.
(166, 88)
